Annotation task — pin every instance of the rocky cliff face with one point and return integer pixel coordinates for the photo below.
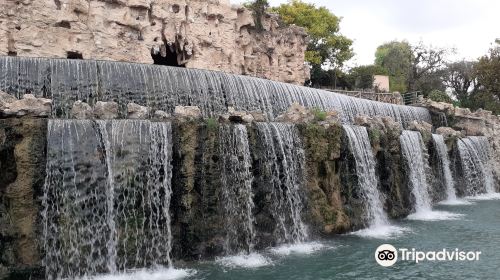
(467, 123)
(196, 34)
(22, 165)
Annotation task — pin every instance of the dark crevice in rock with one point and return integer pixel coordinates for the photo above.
(74, 55)
(64, 24)
(168, 57)
(58, 4)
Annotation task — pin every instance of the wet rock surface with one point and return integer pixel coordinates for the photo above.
(106, 110)
(136, 111)
(187, 112)
(22, 173)
(81, 110)
(28, 106)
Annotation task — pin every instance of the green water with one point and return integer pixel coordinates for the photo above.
(352, 257)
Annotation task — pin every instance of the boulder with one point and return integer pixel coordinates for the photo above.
(472, 126)
(443, 107)
(258, 116)
(462, 112)
(239, 116)
(370, 122)
(5, 99)
(29, 105)
(187, 112)
(331, 117)
(448, 132)
(81, 110)
(136, 111)
(296, 114)
(424, 128)
(161, 115)
(392, 125)
(421, 126)
(106, 110)
(483, 114)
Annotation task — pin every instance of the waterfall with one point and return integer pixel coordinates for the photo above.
(415, 154)
(162, 87)
(475, 155)
(442, 152)
(237, 195)
(106, 197)
(360, 146)
(283, 160)
(413, 150)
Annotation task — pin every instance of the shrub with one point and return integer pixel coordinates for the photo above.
(440, 96)
(211, 123)
(319, 115)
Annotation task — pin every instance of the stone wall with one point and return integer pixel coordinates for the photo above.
(196, 34)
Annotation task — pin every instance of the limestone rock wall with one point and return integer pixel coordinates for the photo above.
(196, 34)
(325, 201)
(22, 173)
(478, 123)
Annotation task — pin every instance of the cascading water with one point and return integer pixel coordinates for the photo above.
(359, 145)
(284, 162)
(442, 152)
(475, 153)
(413, 150)
(161, 87)
(237, 196)
(415, 154)
(106, 197)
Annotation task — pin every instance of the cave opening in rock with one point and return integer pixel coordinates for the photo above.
(170, 59)
(74, 55)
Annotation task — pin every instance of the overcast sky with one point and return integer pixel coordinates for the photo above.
(469, 26)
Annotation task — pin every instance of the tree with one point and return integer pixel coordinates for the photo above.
(488, 71)
(426, 63)
(327, 47)
(461, 78)
(484, 100)
(259, 8)
(395, 57)
(412, 67)
(362, 76)
(332, 78)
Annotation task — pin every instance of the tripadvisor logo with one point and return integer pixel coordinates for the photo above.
(387, 255)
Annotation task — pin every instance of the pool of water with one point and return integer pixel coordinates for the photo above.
(472, 227)
(351, 256)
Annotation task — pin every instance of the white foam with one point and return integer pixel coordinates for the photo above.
(147, 274)
(382, 232)
(251, 260)
(298, 248)
(429, 215)
(485, 196)
(455, 202)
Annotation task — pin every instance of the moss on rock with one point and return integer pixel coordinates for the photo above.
(325, 203)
